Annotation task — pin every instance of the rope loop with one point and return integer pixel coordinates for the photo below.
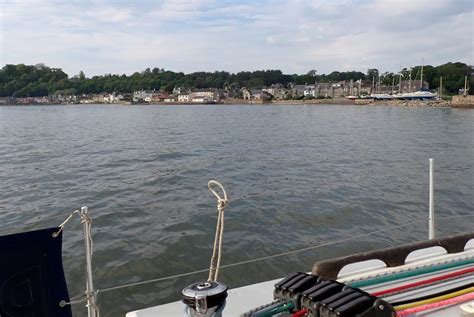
(221, 202)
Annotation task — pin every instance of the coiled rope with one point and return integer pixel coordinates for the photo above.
(217, 249)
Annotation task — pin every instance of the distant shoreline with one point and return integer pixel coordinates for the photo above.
(458, 102)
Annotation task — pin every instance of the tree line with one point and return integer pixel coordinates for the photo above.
(39, 80)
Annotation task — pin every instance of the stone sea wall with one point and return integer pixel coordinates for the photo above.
(463, 101)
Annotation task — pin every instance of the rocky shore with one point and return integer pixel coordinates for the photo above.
(345, 101)
(414, 103)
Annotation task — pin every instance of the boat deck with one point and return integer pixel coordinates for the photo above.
(243, 299)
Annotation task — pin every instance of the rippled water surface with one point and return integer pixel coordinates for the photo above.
(296, 175)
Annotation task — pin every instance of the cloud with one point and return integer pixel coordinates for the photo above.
(179, 9)
(192, 35)
(110, 14)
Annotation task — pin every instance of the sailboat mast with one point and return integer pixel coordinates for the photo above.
(440, 86)
(400, 84)
(465, 85)
(409, 83)
(421, 85)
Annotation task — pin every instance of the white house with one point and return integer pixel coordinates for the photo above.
(142, 96)
(201, 99)
(209, 94)
(309, 91)
(183, 98)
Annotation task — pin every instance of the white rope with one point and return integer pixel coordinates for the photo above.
(217, 249)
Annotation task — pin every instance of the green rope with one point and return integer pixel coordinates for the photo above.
(397, 276)
(271, 311)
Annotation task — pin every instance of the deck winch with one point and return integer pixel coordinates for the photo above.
(204, 299)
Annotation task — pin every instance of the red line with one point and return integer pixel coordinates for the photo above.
(451, 301)
(423, 282)
(299, 313)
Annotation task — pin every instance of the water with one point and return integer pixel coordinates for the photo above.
(296, 176)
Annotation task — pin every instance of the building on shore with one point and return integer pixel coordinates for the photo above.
(209, 95)
(143, 96)
(277, 91)
(297, 91)
(309, 91)
(183, 98)
(256, 94)
(181, 91)
(202, 99)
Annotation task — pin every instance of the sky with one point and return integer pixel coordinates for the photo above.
(118, 36)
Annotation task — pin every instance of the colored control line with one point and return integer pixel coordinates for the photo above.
(411, 273)
(444, 292)
(423, 282)
(271, 311)
(300, 313)
(435, 299)
(447, 302)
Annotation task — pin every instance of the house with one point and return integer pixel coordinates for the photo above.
(298, 90)
(333, 90)
(322, 90)
(181, 91)
(170, 99)
(278, 91)
(309, 91)
(143, 96)
(256, 94)
(201, 99)
(160, 97)
(222, 94)
(338, 89)
(210, 94)
(113, 98)
(183, 98)
(247, 94)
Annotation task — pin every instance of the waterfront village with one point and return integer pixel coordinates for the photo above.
(352, 91)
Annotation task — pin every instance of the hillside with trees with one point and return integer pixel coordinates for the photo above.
(39, 80)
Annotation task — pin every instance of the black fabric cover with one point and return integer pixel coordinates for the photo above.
(32, 279)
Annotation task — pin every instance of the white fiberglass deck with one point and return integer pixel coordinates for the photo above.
(243, 299)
